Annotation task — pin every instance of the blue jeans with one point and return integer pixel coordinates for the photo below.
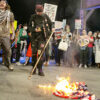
(58, 53)
(90, 54)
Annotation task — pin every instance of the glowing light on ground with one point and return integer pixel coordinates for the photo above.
(65, 89)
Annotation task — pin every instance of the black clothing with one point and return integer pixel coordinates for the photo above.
(44, 24)
(18, 52)
(84, 56)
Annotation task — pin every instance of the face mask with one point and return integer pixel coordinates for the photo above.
(25, 28)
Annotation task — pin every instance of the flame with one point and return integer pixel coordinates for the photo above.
(47, 89)
(45, 86)
(62, 86)
(65, 88)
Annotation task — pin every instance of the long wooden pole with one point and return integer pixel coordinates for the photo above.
(35, 66)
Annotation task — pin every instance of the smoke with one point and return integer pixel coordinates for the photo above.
(71, 56)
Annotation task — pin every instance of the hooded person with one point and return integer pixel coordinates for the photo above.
(40, 28)
(6, 20)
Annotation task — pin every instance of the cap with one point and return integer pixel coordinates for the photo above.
(39, 8)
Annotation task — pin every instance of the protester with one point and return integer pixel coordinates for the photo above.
(6, 19)
(67, 37)
(40, 28)
(55, 43)
(83, 43)
(90, 48)
(21, 43)
(94, 37)
(97, 50)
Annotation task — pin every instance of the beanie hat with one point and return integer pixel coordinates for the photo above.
(39, 8)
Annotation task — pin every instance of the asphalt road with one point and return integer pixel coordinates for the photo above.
(16, 86)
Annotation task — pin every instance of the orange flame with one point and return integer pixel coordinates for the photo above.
(65, 87)
(62, 86)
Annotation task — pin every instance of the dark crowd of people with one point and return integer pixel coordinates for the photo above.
(83, 48)
(28, 41)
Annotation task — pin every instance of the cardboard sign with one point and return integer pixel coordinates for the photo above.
(50, 10)
(58, 33)
(58, 24)
(64, 23)
(77, 24)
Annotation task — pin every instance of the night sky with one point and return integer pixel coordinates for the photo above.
(23, 9)
(68, 9)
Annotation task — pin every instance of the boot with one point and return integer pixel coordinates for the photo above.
(41, 73)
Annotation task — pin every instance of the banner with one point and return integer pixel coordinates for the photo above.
(78, 24)
(58, 33)
(64, 23)
(58, 24)
(50, 10)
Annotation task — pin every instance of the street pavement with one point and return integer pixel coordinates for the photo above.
(16, 86)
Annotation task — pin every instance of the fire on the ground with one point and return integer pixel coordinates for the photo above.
(65, 89)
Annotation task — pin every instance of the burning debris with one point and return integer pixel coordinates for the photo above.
(65, 89)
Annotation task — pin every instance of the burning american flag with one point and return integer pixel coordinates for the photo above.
(69, 90)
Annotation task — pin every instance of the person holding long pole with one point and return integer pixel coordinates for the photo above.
(40, 29)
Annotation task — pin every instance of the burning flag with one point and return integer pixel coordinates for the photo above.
(74, 90)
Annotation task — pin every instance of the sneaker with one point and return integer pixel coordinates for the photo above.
(80, 66)
(57, 64)
(18, 64)
(11, 68)
(41, 74)
(46, 64)
(25, 64)
(85, 66)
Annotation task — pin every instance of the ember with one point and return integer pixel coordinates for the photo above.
(74, 90)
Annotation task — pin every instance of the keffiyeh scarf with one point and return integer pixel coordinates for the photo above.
(4, 15)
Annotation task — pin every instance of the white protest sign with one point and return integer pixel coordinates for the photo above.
(58, 24)
(77, 23)
(64, 23)
(50, 10)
